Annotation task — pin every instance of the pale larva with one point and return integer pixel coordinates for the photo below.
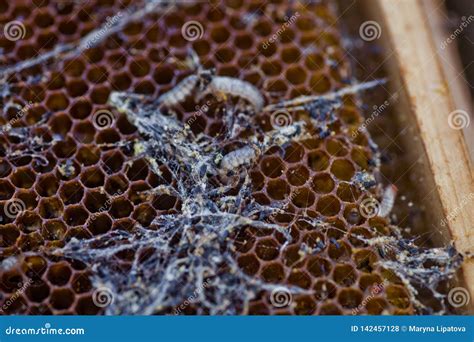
(388, 199)
(237, 158)
(184, 88)
(238, 88)
(179, 93)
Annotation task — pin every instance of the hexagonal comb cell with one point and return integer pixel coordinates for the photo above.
(82, 172)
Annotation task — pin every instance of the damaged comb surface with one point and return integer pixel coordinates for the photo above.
(114, 201)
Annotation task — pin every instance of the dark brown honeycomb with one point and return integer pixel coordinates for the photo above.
(341, 269)
(86, 184)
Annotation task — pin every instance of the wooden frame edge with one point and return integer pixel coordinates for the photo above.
(416, 67)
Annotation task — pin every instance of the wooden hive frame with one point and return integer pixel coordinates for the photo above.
(429, 84)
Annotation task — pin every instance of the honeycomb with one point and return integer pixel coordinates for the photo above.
(65, 177)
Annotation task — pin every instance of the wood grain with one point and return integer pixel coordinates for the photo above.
(429, 93)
